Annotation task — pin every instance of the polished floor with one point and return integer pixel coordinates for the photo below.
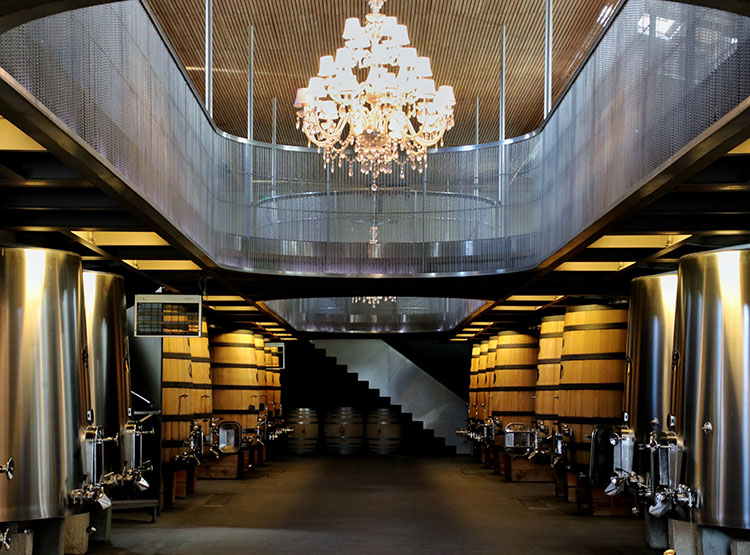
(373, 505)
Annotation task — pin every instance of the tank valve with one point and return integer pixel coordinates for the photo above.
(8, 469)
(5, 540)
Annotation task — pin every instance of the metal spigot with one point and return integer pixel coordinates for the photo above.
(8, 469)
(5, 540)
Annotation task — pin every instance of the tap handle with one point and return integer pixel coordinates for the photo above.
(5, 540)
(8, 469)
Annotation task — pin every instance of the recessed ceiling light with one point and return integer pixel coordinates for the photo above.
(534, 298)
(593, 266)
(514, 308)
(481, 324)
(221, 298)
(243, 308)
(275, 329)
(169, 265)
(267, 323)
(458, 339)
(473, 329)
(637, 241)
(122, 238)
(465, 335)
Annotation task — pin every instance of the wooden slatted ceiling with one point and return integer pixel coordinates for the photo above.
(461, 37)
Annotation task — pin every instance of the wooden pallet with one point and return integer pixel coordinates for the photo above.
(594, 501)
(521, 469)
(228, 467)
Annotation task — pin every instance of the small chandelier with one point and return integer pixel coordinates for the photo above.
(373, 301)
(394, 115)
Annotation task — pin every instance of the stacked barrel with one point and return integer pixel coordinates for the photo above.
(481, 408)
(200, 361)
(473, 382)
(260, 360)
(592, 374)
(177, 396)
(548, 375)
(273, 380)
(235, 377)
(512, 381)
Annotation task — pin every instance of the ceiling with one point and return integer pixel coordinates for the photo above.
(461, 37)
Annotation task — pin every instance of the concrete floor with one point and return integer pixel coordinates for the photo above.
(373, 505)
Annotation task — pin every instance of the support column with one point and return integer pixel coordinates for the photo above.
(547, 58)
(209, 59)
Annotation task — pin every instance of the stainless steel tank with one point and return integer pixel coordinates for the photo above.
(711, 400)
(649, 353)
(109, 372)
(44, 391)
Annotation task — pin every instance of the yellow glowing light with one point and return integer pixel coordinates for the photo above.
(593, 266)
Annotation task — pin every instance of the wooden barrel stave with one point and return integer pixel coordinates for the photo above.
(592, 373)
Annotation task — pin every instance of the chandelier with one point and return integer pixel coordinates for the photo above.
(393, 116)
(373, 301)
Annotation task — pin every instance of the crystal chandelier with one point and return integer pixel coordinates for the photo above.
(394, 115)
(373, 301)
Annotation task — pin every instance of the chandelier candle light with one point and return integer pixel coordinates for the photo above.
(395, 110)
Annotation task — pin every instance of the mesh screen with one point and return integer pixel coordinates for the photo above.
(374, 314)
(663, 73)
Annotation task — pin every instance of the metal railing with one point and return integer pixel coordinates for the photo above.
(660, 75)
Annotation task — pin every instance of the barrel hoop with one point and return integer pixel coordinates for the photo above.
(229, 344)
(518, 346)
(177, 385)
(202, 360)
(559, 318)
(482, 389)
(178, 356)
(177, 417)
(552, 335)
(220, 365)
(513, 413)
(547, 387)
(589, 419)
(549, 361)
(594, 356)
(513, 388)
(615, 386)
(516, 367)
(240, 387)
(541, 416)
(592, 307)
(202, 415)
(608, 326)
(235, 411)
(204, 385)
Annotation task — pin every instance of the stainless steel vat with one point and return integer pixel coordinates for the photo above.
(649, 353)
(109, 373)
(44, 390)
(711, 400)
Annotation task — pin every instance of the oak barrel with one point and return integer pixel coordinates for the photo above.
(260, 358)
(303, 439)
(473, 381)
(482, 380)
(513, 380)
(200, 360)
(234, 378)
(343, 431)
(176, 396)
(548, 375)
(592, 373)
(383, 432)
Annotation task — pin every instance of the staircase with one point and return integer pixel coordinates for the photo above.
(315, 379)
(398, 378)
